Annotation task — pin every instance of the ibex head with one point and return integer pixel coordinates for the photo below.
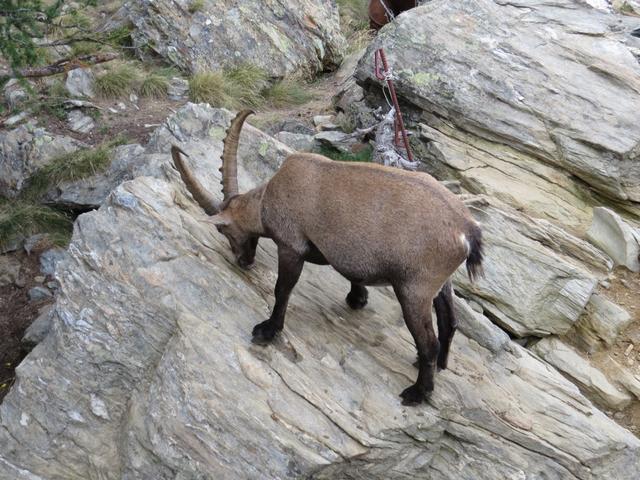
(238, 216)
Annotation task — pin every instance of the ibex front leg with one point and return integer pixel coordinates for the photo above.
(290, 266)
(416, 309)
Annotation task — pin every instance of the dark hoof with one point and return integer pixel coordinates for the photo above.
(264, 333)
(442, 364)
(357, 301)
(413, 396)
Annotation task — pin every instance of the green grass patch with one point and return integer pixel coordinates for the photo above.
(246, 84)
(20, 219)
(70, 167)
(210, 87)
(363, 155)
(117, 81)
(24, 216)
(154, 85)
(84, 48)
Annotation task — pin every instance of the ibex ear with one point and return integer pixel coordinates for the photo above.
(219, 220)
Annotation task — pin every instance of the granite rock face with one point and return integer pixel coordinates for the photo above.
(283, 38)
(521, 98)
(148, 370)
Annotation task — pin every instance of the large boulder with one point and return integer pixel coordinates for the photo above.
(280, 37)
(148, 370)
(521, 98)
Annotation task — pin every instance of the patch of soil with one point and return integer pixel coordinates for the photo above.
(134, 122)
(16, 314)
(322, 90)
(625, 291)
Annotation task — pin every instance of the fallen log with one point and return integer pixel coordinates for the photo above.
(60, 66)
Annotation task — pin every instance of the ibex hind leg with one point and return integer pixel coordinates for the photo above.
(290, 266)
(416, 309)
(447, 322)
(358, 296)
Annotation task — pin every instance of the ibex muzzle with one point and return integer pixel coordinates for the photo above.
(375, 225)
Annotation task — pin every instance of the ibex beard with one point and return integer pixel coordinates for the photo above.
(375, 225)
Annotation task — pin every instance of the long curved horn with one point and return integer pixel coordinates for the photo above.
(229, 166)
(200, 195)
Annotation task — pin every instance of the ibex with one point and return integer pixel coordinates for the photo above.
(375, 225)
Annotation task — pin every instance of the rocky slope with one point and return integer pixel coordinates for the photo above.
(148, 371)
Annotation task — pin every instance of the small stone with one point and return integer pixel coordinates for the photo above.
(37, 294)
(14, 93)
(80, 83)
(39, 279)
(39, 328)
(49, 259)
(178, 89)
(618, 415)
(605, 284)
(79, 122)
(297, 141)
(122, 106)
(630, 362)
(325, 122)
(133, 98)
(628, 350)
(337, 140)
(15, 119)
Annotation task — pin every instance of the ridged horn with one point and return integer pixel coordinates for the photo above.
(229, 168)
(200, 195)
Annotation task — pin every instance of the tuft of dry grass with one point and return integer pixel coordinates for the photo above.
(245, 86)
(196, 6)
(287, 92)
(117, 81)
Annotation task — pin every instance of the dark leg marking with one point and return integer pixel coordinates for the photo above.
(358, 296)
(290, 266)
(416, 309)
(447, 322)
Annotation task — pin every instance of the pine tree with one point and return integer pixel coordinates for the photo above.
(22, 24)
